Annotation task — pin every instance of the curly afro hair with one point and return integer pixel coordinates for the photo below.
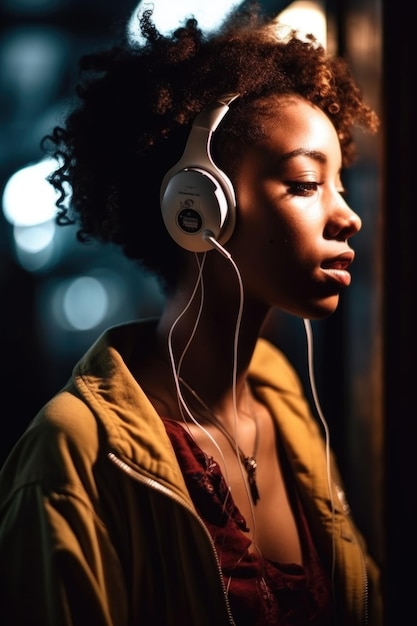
(136, 104)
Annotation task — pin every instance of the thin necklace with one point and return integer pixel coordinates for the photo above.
(249, 462)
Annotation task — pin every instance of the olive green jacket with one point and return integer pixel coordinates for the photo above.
(97, 526)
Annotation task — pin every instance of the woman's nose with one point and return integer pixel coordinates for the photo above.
(343, 222)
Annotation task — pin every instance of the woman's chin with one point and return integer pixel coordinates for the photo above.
(322, 308)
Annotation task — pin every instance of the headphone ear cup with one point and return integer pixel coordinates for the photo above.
(196, 197)
(193, 203)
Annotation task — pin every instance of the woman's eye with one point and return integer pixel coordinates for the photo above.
(302, 188)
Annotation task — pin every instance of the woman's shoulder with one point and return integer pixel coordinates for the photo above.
(60, 442)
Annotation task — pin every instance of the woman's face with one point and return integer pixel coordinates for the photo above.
(291, 241)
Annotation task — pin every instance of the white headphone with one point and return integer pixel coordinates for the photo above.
(197, 198)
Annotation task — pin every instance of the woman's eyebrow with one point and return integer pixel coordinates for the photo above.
(312, 154)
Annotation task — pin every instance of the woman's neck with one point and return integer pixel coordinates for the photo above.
(213, 355)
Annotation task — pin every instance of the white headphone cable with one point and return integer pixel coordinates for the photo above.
(309, 334)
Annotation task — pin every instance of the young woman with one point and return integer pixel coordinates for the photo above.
(180, 477)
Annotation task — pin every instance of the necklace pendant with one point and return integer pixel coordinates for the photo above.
(250, 466)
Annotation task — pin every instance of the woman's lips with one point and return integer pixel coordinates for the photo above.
(337, 268)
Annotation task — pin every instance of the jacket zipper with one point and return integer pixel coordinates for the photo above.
(365, 590)
(154, 484)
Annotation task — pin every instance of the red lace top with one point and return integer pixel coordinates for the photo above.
(261, 592)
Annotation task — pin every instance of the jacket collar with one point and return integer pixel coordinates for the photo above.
(134, 430)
